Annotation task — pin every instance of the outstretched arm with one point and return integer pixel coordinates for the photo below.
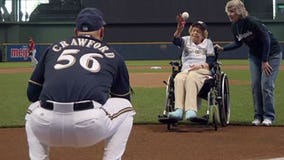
(177, 35)
(231, 46)
(180, 26)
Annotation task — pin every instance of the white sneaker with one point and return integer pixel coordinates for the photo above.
(266, 122)
(256, 122)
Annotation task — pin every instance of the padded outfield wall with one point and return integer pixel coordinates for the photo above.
(130, 51)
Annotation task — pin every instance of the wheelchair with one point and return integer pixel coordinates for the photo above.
(215, 90)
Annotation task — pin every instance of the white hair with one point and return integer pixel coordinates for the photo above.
(239, 6)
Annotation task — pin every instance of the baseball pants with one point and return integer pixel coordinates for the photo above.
(33, 58)
(63, 126)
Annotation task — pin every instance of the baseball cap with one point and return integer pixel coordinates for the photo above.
(89, 19)
(201, 24)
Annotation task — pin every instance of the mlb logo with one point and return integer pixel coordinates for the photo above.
(85, 28)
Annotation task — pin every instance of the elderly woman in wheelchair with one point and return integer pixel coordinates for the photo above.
(198, 76)
(197, 58)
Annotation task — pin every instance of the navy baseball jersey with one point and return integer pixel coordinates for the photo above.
(256, 36)
(80, 68)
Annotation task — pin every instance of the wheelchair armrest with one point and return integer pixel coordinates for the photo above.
(216, 67)
(175, 63)
(217, 63)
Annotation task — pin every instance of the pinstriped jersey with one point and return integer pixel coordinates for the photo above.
(195, 54)
(192, 53)
(81, 68)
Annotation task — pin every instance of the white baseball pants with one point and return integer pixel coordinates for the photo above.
(62, 126)
(33, 58)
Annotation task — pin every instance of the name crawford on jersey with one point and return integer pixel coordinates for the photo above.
(83, 42)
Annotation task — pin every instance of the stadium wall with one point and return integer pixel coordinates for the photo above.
(130, 51)
(139, 29)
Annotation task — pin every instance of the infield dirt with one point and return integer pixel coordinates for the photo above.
(154, 142)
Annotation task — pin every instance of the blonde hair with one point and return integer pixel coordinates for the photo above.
(239, 6)
(204, 33)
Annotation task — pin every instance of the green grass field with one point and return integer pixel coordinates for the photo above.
(148, 102)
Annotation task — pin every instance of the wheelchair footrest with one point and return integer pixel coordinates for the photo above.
(203, 119)
(166, 120)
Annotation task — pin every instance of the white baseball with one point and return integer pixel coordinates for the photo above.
(185, 15)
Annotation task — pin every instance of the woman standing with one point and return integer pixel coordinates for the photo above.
(264, 58)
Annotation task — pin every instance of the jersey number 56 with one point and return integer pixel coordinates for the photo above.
(87, 61)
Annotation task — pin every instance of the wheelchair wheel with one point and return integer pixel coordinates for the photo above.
(224, 105)
(171, 124)
(169, 104)
(215, 121)
(170, 95)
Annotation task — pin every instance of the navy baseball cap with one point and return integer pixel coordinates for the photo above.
(89, 19)
(200, 24)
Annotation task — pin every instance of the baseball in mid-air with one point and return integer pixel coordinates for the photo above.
(185, 15)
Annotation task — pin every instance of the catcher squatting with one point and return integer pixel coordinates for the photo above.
(81, 94)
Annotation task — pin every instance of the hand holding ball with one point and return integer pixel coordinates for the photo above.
(185, 15)
(181, 19)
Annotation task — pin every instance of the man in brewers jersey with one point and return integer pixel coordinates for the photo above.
(81, 94)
